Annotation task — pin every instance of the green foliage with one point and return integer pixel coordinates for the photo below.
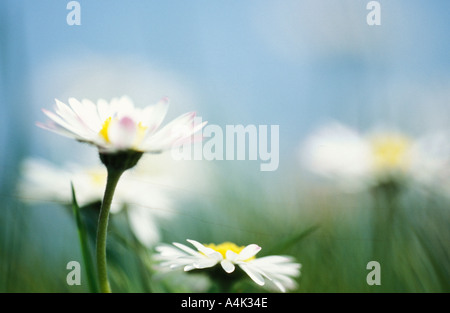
(331, 234)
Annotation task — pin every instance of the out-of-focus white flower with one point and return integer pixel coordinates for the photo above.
(356, 160)
(119, 125)
(430, 162)
(339, 153)
(278, 270)
(144, 200)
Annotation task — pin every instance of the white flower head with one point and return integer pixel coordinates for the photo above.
(120, 126)
(356, 160)
(145, 202)
(337, 152)
(279, 270)
(430, 162)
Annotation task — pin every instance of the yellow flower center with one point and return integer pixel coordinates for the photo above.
(391, 152)
(141, 129)
(97, 177)
(104, 131)
(225, 246)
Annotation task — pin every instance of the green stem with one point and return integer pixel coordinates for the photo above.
(385, 210)
(113, 179)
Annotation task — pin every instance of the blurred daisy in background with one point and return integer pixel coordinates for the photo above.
(144, 191)
(277, 270)
(431, 160)
(356, 161)
(339, 153)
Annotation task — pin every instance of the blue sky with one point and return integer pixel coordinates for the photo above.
(292, 63)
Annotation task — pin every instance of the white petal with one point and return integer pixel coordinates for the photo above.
(168, 251)
(188, 268)
(186, 249)
(153, 116)
(249, 251)
(90, 115)
(227, 266)
(277, 269)
(277, 265)
(86, 113)
(163, 139)
(232, 256)
(205, 250)
(79, 132)
(205, 263)
(122, 133)
(279, 285)
(56, 128)
(252, 273)
(104, 111)
(123, 107)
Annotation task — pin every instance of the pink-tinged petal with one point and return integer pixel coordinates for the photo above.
(199, 127)
(183, 120)
(127, 123)
(57, 129)
(122, 133)
(64, 124)
(70, 116)
(189, 136)
(249, 251)
(174, 134)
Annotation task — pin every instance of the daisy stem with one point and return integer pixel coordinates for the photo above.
(111, 183)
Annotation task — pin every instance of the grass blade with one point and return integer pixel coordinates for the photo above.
(292, 240)
(84, 244)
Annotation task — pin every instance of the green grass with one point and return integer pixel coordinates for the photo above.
(328, 232)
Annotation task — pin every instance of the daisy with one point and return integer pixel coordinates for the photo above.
(338, 153)
(356, 160)
(278, 270)
(42, 180)
(122, 133)
(120, 126)
(430, 163)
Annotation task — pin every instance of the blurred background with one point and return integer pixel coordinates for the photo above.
(299, 64)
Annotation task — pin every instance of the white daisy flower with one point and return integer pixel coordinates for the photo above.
(356, 160)
(120, 126)
(145, 202)
(279, 270)
(122, 133)
(337, 152)
(430, 163)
